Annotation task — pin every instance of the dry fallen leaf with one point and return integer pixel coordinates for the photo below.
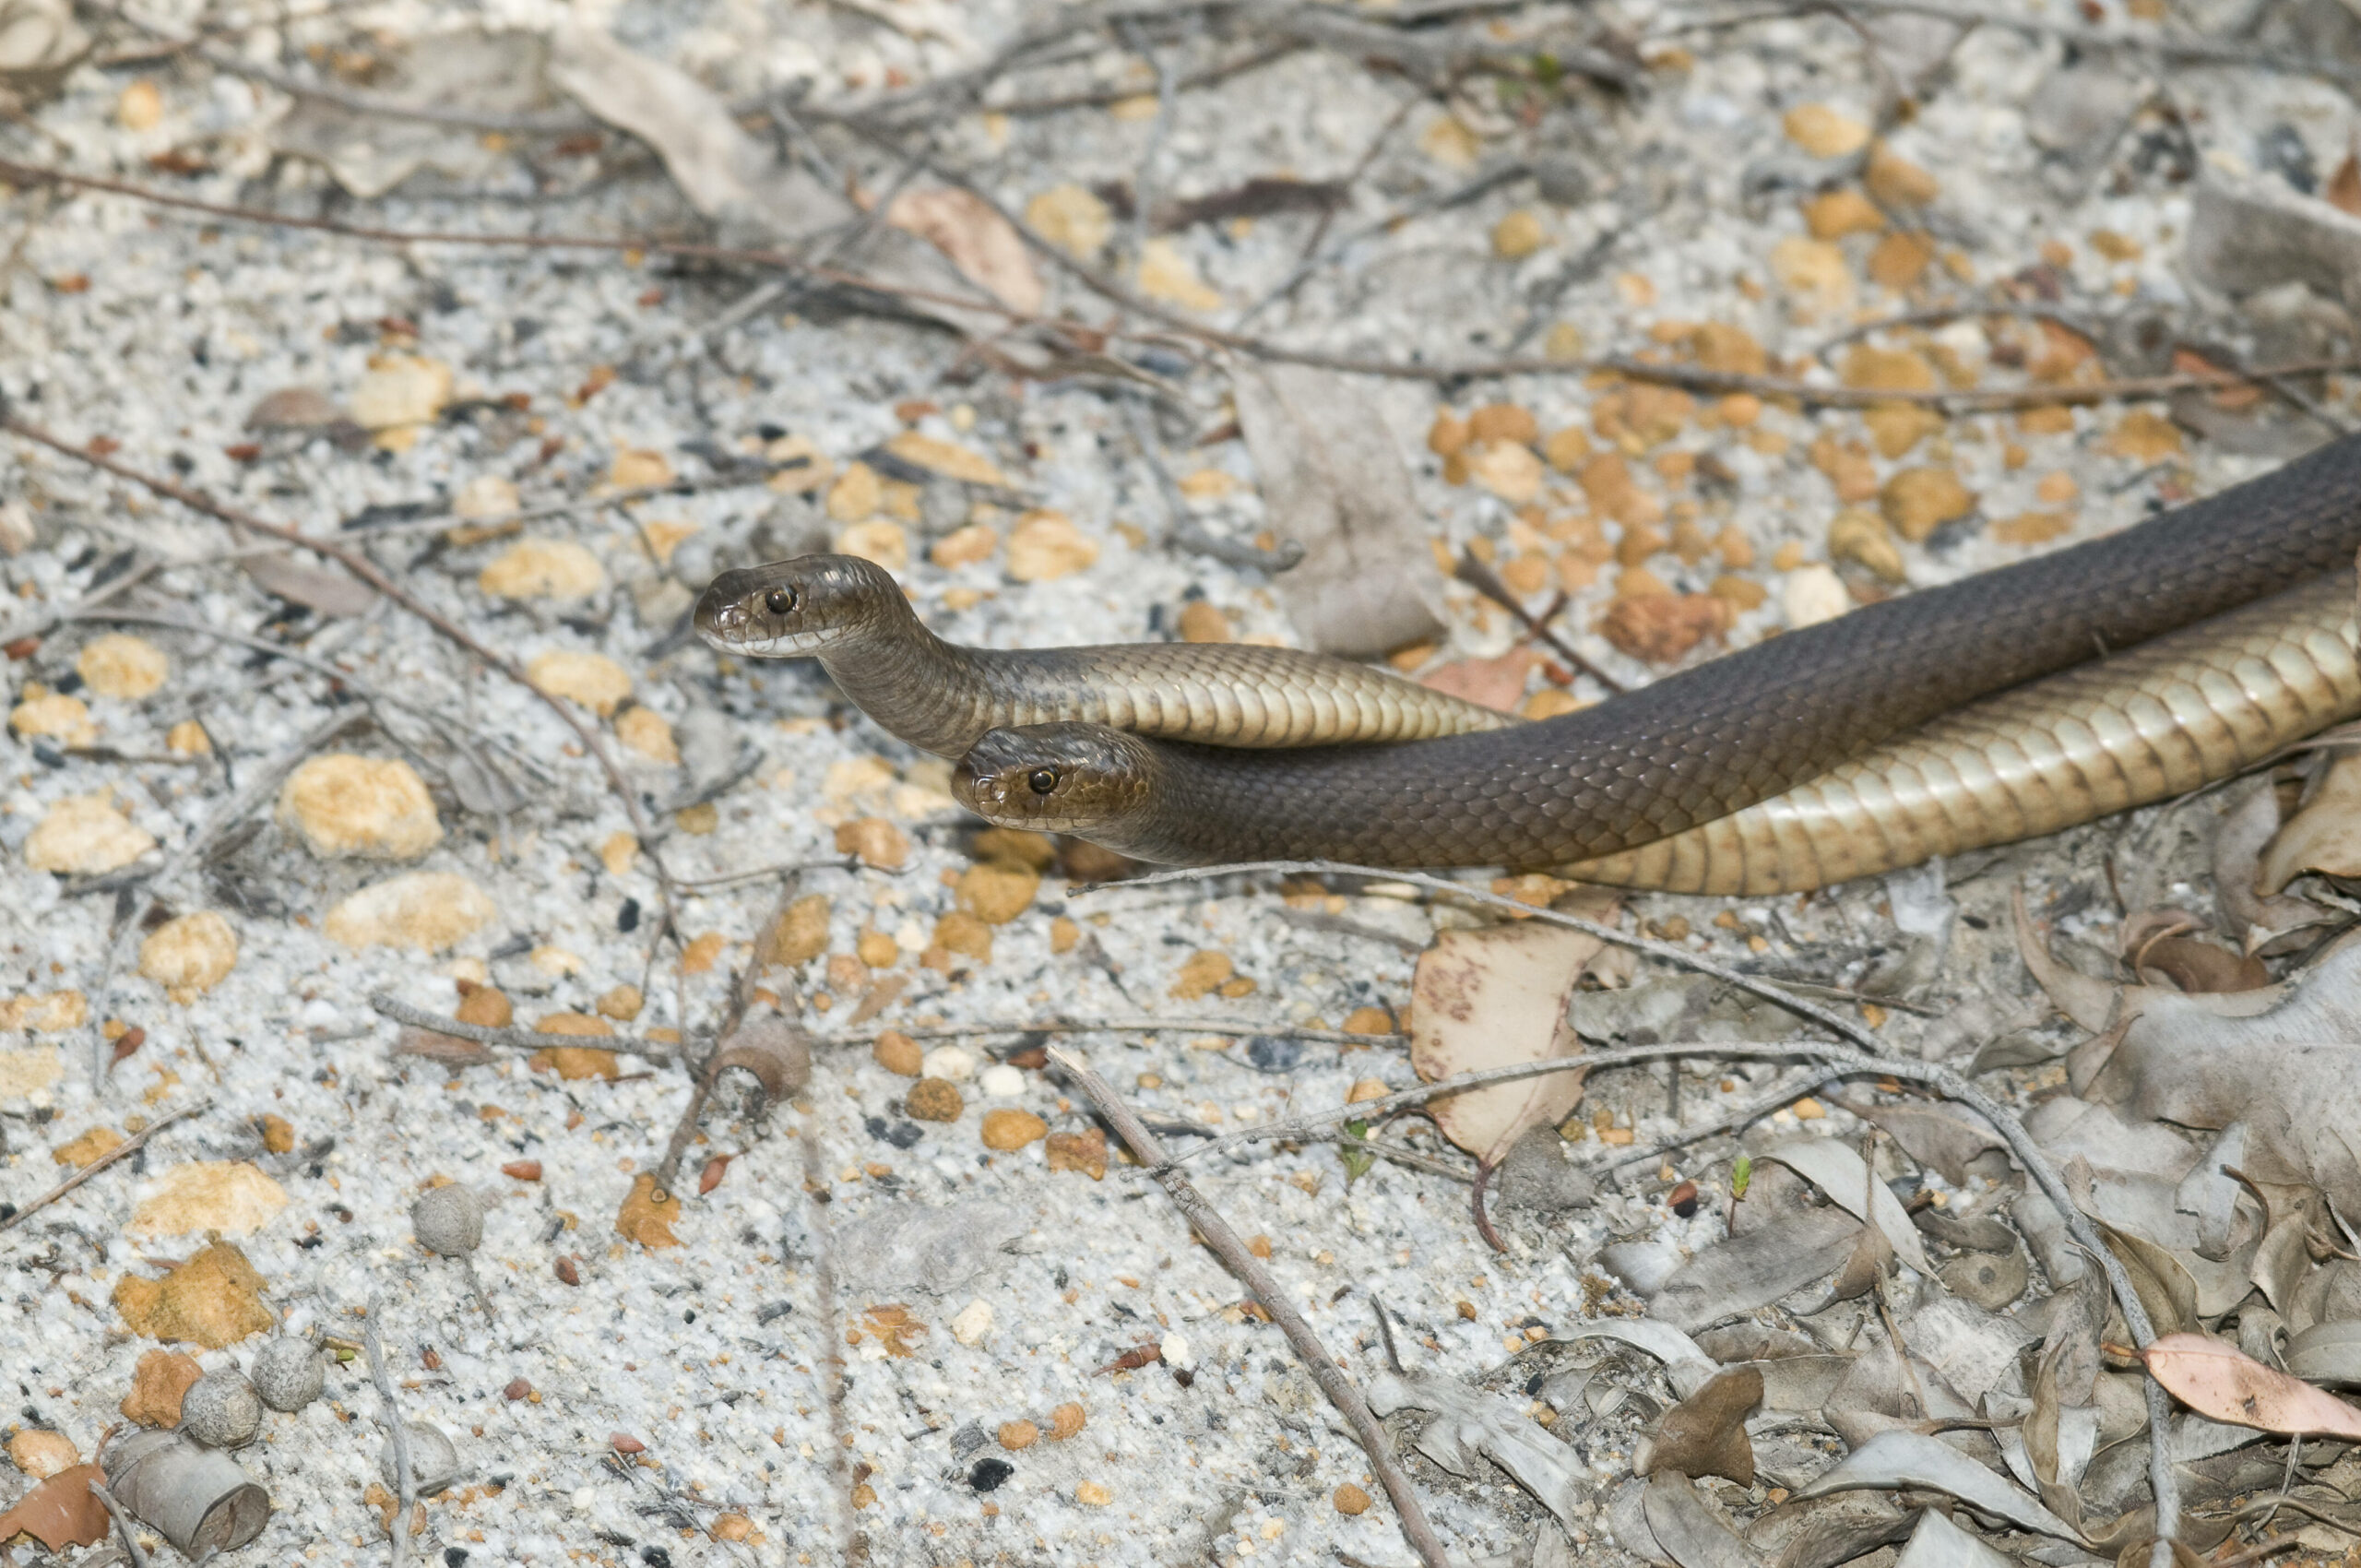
(1330, 471)
(1705, 1434)
(213, 1300)
(776, 1052)
(1495, 684)
(980, 241)
(2221, 1382)
(1490, 998)
(2324, 835)
(61, 1512)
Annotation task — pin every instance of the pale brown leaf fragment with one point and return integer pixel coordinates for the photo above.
(1333, 475)
(60, 1512)
(2219, 1381)
(777, 1052)
(981, 244)
(1491, 683)
(2343, 191)
(1488, 998)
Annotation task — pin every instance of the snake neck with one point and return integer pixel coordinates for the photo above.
(928, 692)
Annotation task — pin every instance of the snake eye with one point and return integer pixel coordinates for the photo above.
(1041, 780)
(781, 600)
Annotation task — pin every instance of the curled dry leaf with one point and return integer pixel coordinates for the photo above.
(196, 1497)
(1330, 468)
(772, 1048)
(2326, 1352)
(1690, 1533)
(2263, 923)
(1469, 1422)
(60, 1512)
(1898, 1458)
(2221, 1382)
(295, 408)
(2324, 835)
(1940, 1543)
(1836, 1170)
(370, 154)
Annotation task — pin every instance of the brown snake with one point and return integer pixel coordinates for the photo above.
(1863, 710)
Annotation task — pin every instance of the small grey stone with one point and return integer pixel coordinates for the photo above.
(288, 1374)
(448, 1220)
(221, 1409)
(434, 1461)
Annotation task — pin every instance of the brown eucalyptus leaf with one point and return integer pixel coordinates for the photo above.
(1898, 1458)
(775, 1050)
(1492, 997)
(1755, 1268)
(2090, 1003)
(1705, 1434)
(1328, 464)
(2222, 1384)
(60, 1512)
(980, 243)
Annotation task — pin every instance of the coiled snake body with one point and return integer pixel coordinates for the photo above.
(2239, 609)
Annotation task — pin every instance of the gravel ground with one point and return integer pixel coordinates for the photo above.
(790, 1373)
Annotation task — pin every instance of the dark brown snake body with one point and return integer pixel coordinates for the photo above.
(1712, 741)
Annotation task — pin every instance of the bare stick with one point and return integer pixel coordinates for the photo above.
(124, 1524)
(1769, 991)
(1208, 1223)
(368, 571)
(1132, 1025)
(405, 1479)
(1485, 581)
(1460, 1083)
(515, 1038)
(1692, 378)
(124, 1150)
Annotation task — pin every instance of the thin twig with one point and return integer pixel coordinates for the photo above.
(123, 1523)
(1864, 1050)
(1485, 581)
(1691, 377)
(515, 1038)
(261, 783)
(1769, 990)
(1132, 1025)
(122, 1150)
(397, 1431)
(1226, 1245)
(1460, 1083)
(368, 571)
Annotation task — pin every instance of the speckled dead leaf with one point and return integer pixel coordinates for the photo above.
(2327, 1353)
(1488, 998)
(649, 1214)
(61, 1512)
(2221, 1382)
(1333, 478)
